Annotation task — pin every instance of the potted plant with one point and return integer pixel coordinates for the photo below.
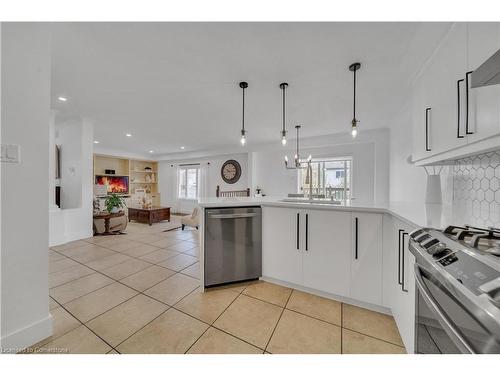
(113, 203)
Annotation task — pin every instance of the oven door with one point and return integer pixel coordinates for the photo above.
(443, 324)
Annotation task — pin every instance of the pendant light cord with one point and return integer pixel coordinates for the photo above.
(243, 112)
(354, 101)
(284, 120)
(298, 156)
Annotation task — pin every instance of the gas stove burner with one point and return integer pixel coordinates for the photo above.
(483, 239)
(460, 233)
(453, 229)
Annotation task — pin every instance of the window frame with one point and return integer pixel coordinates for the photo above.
(347, 176)
(186, 168)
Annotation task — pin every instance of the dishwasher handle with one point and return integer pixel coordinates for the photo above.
(231, 216)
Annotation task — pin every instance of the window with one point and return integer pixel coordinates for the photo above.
(188, 182)
(330, 177)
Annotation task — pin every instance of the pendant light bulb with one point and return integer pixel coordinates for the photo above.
(354, 129)
(354, 132)
(243, 138)
(283, 137)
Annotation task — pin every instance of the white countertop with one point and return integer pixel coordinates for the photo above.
(418, 214)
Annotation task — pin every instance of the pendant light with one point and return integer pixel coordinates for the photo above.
(283, 87)
(243, 138)
(354, 124)
(298, 163)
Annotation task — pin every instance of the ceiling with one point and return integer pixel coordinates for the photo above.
(176, 84)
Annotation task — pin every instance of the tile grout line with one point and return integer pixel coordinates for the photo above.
(341, 327)
(373, 337)
(212, 324)
(276, 326)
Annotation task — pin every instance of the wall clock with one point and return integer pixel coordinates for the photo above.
(231, 171)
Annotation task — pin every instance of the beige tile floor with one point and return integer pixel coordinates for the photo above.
(139, 293)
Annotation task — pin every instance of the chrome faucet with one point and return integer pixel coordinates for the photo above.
(309, 177)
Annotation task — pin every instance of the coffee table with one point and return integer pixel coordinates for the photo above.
(149, 215)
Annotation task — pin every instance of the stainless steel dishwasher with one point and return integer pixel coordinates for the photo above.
(233, 244)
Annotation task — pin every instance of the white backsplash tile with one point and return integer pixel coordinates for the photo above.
(476, 189)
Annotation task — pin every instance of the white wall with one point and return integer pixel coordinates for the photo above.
(25, 102)
(370, 180)
(263, 166)
(74, 220)
(167, 179)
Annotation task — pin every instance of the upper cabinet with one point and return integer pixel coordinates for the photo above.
(446, 92)
(483, 40)
(447, 113)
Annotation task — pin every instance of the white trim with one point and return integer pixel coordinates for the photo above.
(481, 146)
(27, 336)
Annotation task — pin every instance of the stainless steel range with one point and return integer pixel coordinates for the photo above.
(457, 273)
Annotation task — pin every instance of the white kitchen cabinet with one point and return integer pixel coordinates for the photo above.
(418, 120)
(483, 40)
(315, 249)
(439, 98)
(327, 250)
(398, 280)
(366, 257)
(446, 92)
(281, 256)
(458, 115)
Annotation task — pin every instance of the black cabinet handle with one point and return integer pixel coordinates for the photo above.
(307, 232)
(427, 148)
(356, 238)
(298, 231)
(458, 109)
(403, 264)
(467, 131)
(399, 256)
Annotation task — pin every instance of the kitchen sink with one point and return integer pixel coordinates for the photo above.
(311, 201)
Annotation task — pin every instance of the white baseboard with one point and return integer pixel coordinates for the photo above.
(365, 305)
(27, 336)
(78, 235)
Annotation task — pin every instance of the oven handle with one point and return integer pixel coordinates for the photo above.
(447, 325)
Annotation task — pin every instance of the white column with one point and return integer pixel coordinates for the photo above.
(25, 101)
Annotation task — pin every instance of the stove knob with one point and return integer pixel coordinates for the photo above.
(436, 249)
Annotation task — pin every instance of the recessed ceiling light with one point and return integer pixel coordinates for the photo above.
(182, 147)
(151, 151)
(96, 142)
(128, 135)
(62, 99)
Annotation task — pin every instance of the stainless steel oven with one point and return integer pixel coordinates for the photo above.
(457, 307)
(444, 325)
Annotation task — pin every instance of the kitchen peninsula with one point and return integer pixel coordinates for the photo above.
(348, 252)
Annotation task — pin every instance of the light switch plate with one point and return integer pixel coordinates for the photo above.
(10, 153)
